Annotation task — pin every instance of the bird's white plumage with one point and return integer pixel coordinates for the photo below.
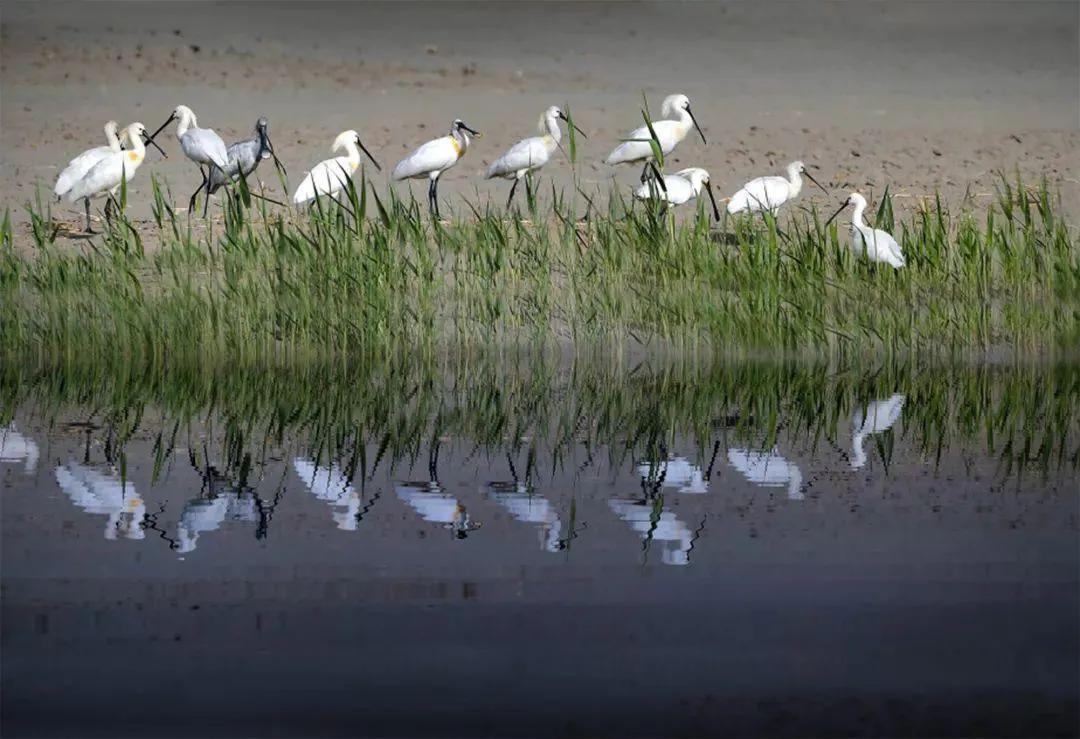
(669, 132)
(330, 484)
(14, 447)
(331, 176)
(528, 507)
(768, 193)
(200, 145)
(105, 176)
(104, 494)
(431, 159)
(532, 153)
(679, 188)
(80, 165)
(676, 472)
(675, 536)
(877, 416)
(876, 245)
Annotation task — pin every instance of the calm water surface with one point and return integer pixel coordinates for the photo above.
(635, 553)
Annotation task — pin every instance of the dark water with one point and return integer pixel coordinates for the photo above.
(665, 556)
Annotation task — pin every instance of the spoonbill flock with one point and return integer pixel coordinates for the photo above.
(99, 171)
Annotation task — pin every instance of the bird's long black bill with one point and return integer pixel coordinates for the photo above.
(149, 140)
(811, 178)
(712, 199)
(571, 123)
(364, 148)
(473, 131)
(277, 162)
(834, 215)
(161, 128)
(700, 132)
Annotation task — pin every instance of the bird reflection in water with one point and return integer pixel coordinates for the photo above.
(15, 447)
(768, 469)
(876, 417)
(104, 494)
(437, 506)
(528, 507)
(332, 485)
(655, 523)
(675, 472)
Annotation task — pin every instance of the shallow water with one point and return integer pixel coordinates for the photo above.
(638, 551)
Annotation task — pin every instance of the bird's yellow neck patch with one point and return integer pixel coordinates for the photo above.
(457, 145)
(134, 156)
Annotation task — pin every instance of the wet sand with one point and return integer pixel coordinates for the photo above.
(914, 96)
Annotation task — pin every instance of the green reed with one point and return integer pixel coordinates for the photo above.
(371, 272)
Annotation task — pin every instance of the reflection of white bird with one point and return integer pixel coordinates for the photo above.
(678, 473)
(529, 155)
(80, 165)
(638, 145)
(877, 245)
(104, 494)
(878, 416)
(434, 158)
(666, 528)
(14, 447)
(207, 514)
(768, 470)
(530, 508)
(769, 193)
(429, 500)
(331, 485)
(331, 176)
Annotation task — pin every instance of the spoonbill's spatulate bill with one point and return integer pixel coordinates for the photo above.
(636, 148)
(80, 165)
(434, 158)
(201, 145)
(529, 155)
(769, 193)
(244, 157)
(331, 176)
(104, 178)
(878, 246)
(679, 188)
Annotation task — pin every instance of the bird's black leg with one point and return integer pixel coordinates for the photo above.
(511, 198)
(108, 209)
(191, 203)
(645, 172)
(435, 198)
(206, 201)
(89, 230)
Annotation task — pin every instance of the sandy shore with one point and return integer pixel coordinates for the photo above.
(915, 96)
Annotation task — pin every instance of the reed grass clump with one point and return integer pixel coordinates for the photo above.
(372, 272)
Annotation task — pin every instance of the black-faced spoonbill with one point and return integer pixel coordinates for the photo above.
(244, 157)
(201, 145)
(330, 176)
(679, 188)
(878, 246)
(669, 132)
(769, 193)
(104, 178)
(434, 158)
(80, 165)
(529, 155)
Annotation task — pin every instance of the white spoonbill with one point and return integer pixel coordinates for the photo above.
(663, 526)
(676, 472)
(201, 145)
(80, 165)
(669, 132)
(529, 155)
(877, 416)
(679, 188)
(104, 178)
(331, 176)
(526, 506)
(433, 504)
(877, 245)
(331, 484)
(769, 193)
(105, 494)
(434, 158)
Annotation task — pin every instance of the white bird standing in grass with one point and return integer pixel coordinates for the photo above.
(331, 176)
(80, 165)
(679, 188)
(529, 155)
(769, 193)
(637, 147)
(878, 246)
(201, 145)
(434, 158)
(104, 178)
